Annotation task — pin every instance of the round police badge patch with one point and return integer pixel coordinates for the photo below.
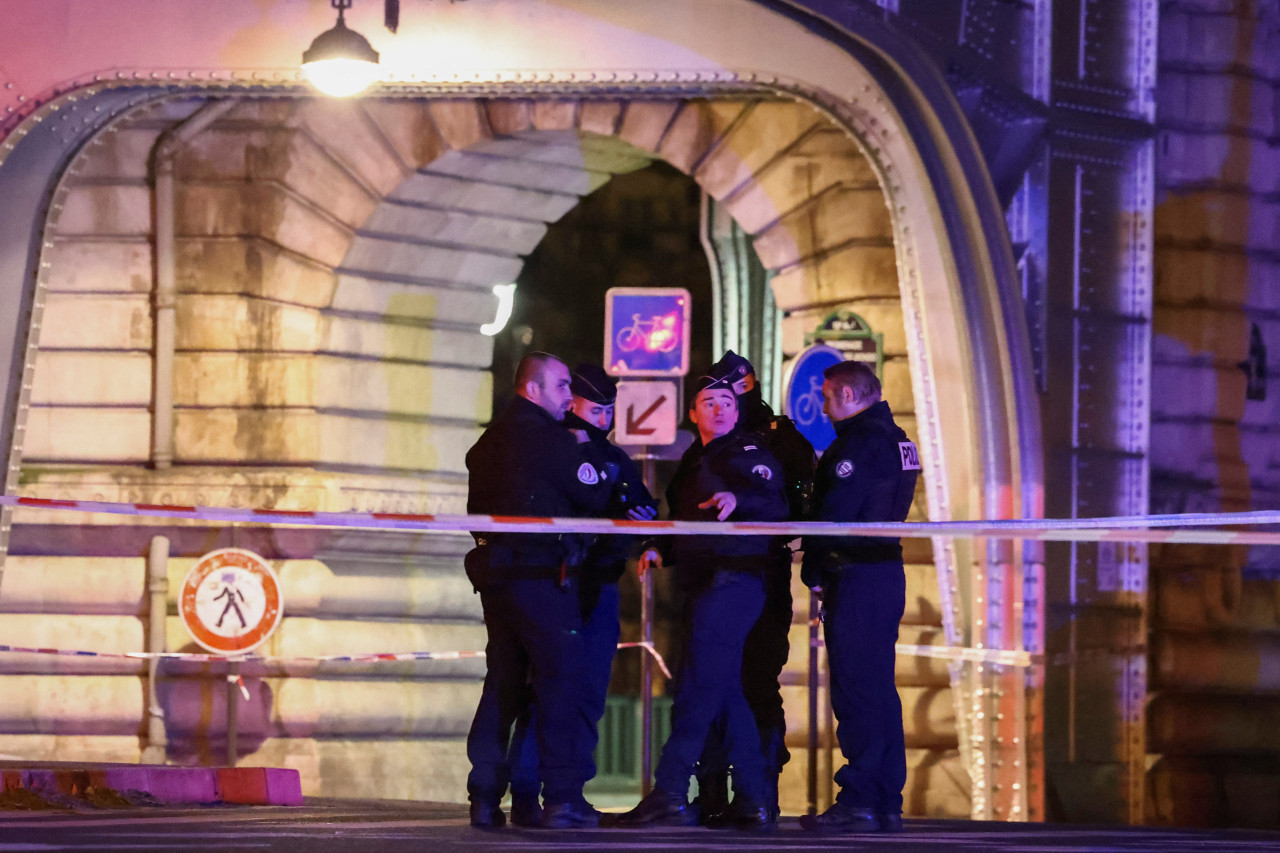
(587, 474)
(844, 468)
(762, 471)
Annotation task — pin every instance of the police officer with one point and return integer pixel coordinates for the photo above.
(726, 474)
(766, 650)
(867, 474)
(526, 463)
(591, 412)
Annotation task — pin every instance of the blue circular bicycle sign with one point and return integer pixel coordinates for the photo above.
(803, 396)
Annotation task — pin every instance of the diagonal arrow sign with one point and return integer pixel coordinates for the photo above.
(633, 423)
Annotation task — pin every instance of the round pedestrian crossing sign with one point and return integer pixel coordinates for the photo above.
(230, 601)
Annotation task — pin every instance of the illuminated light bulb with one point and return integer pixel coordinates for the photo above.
(341, 62)
(342, 78)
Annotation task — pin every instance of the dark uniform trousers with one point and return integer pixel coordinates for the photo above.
(536, 642)
(765, 650)
(718, 617)
(863, 605)
(600, 632)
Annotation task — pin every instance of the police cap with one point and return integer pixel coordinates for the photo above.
(590, 382)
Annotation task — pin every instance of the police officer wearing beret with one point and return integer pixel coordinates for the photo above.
(591, 412)
(767, 647)
(726, 475)
(867, 474)
(527, 464)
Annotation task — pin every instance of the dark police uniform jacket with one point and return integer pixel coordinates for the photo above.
(867, 474)
(737, 462)
(527, 464)
(607, 557)
(786, 443)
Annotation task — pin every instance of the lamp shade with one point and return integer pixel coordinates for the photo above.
(341, 62)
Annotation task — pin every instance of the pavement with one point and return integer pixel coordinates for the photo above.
(348, 826)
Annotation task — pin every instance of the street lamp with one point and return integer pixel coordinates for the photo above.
(341, 62)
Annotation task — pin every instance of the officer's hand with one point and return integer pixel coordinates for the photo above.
(642, 513)
(723, 501)
(580, 435)
(650, 559)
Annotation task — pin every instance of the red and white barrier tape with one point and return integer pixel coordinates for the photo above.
(1174, 529)
(202, 657)
(1000, 657)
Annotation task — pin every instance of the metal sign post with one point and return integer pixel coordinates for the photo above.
(231, 603)
(648, 474)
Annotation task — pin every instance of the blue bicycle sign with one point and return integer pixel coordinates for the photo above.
(803, 395)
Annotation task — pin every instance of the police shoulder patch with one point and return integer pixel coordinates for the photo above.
(910, 456)
(844, 468)
(587, 474)
(763, 471)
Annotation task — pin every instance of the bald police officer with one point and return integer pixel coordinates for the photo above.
(590, 413)
(527, 464)
(867, 474)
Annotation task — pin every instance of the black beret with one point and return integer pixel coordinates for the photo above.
(731, 366)
(590, 382)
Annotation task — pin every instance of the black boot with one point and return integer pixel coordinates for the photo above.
(487, 815)
(748, 816)
(841, 818)
(574, 815)
(526, 812)
(660, 809)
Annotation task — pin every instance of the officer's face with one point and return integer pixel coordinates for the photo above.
(837, 401)
(596, 414)
(553, 391)
(714, 412)
(744, 384)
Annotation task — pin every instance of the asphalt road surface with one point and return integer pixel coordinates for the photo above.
(390, 827)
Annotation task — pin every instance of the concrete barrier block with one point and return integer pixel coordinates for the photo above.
(175, 785)
(264, 786)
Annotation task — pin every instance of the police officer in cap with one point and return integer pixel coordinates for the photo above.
(527, 464)
(591, 412)
(766, 650)
(867, 474)
(726, 475)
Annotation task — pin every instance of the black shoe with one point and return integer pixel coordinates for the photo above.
(660, 809)
(578, 815)
(526, 813)
(748, 817)
(487, 816)
(889, 822)
(840, 819)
